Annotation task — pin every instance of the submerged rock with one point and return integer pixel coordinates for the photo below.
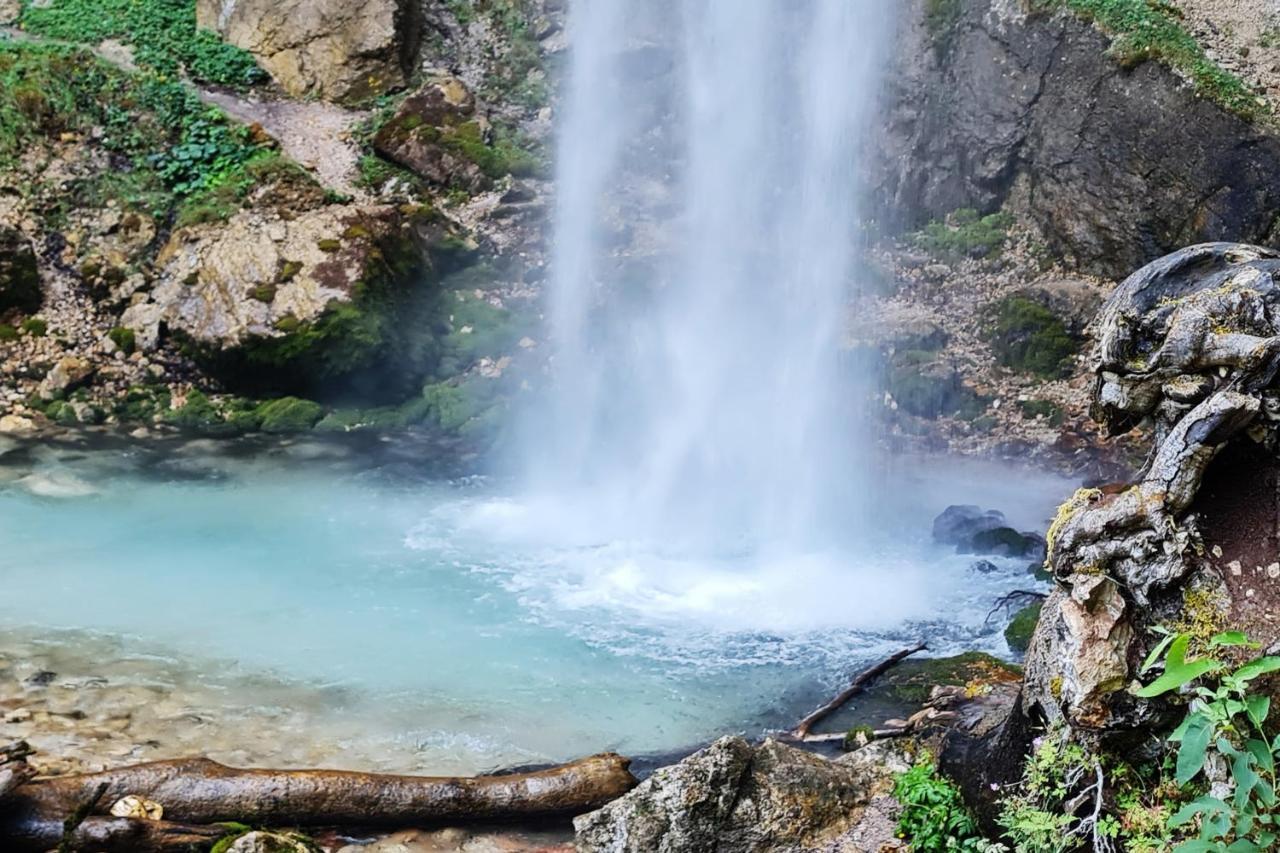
(959, 523)
(769, 798)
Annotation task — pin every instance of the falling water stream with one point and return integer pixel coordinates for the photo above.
(700, 540)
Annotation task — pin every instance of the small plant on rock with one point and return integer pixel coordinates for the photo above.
(934, 818)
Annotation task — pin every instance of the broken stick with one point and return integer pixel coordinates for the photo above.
(801, 731)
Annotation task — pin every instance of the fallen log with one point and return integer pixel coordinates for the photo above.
(200, 791)
(801, 731)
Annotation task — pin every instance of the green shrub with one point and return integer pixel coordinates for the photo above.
(163, 34)
(934, 818)
(1149, 29)
(965, 234)
(940, 19)
(8, 332)
(36, 327)
(1030, 338)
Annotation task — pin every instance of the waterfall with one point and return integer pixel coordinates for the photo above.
(706, 232)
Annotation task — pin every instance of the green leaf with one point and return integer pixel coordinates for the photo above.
(1157, 651)
(1258, 707)
(1195, 742)
(1176, 677)
(1256, 668)
(1195, 808)
(1262, 753)
(1232, 638)
(1243, 845)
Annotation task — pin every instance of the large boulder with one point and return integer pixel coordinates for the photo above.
(19, 274)
(770, 798)
(289, 299)
(432, 132)
(331, 49)
(1190, 345)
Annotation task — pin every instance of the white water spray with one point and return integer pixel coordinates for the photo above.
(706, 226)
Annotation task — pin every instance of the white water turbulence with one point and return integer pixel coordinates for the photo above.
(706, 228)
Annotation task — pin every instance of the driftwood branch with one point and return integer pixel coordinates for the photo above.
(801, 731)
(200, 791)
(1018, 596)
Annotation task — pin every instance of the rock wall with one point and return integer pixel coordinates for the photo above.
(1115, 165)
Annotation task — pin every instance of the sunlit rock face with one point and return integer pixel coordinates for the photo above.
(332, 49)
(1188, 347)
(298, 295)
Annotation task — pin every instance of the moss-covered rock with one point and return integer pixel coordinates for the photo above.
(289, 414)
(925, 384)
(1022, 626)
(437, 135)
(19, 274)
(1030, 338)
(312, 303)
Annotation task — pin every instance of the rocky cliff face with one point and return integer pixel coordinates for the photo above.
(994, 105)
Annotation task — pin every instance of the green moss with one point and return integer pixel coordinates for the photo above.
(1018, 633)
(8, 333)
(263, 293)
(940, 19)
(288, 271)
(1144, 30)
(124, 338)
(36, 327)
(1029, 338)
(923, 384)
(965, 234)
(911, 681)
(329, 244)
(1032, 409)
(198, 414)
(289, 414)
(858, 736)
(143, 403)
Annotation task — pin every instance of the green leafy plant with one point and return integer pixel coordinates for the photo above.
(163, 34)
(1225, 721)
(934, 818)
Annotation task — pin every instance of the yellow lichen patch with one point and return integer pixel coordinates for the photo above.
(1204, 614)
(1055, 687)
(1069, 510)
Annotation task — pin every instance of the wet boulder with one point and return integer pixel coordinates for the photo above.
(959, 523)
(732, 795)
